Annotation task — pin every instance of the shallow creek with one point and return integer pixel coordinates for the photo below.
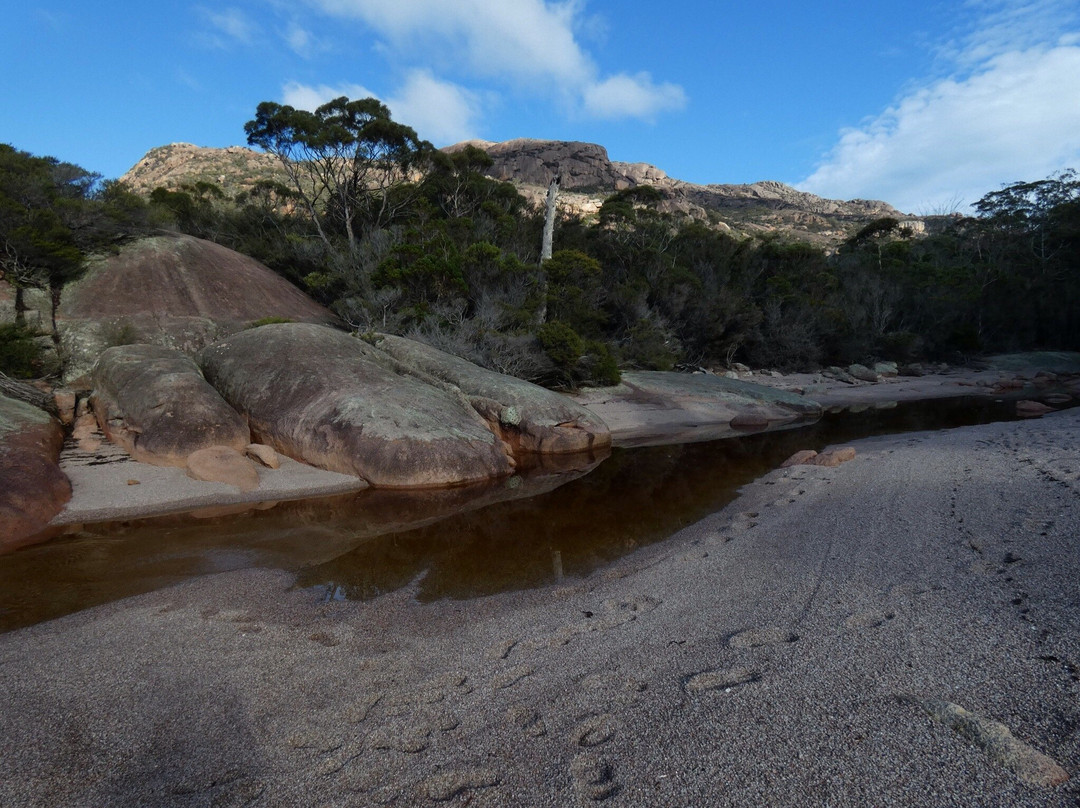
(459, 543)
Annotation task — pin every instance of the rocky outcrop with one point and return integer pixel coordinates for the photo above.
(529, 418)
(177, 291)
(32, 487)
(234, 169)
(587, 175)
(155, 403)
(328, 399)
(653, 407)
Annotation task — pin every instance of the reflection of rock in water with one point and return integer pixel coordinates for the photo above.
(459, 542)
(96, 564)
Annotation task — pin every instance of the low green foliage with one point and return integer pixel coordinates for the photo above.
(20, 355)
(270, 321)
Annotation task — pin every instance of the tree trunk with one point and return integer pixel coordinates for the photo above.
(545, 247)
(20, 307)
(549, 219)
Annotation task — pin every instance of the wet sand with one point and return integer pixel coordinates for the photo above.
(785, 651)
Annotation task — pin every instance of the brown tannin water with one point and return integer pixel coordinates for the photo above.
(454, 543)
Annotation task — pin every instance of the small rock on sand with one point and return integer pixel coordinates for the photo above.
(800, 458)
(223, 464)
(1032, 409)
(834, 457)
(263, 454)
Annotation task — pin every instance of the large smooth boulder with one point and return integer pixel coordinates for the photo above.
(177, 291)
(530, 418)
(33, 489)
(329, 399)
(155, 403)
(655, 407)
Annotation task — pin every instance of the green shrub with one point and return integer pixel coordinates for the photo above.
(270, 321)
(561, 343)
(20, 356)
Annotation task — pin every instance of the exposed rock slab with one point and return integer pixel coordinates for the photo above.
(326, 398)
(528, 417)
(655, 407)
(177, 291)
(32, 487)
(155, 403)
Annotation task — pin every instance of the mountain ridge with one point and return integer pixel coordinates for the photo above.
(587, 177)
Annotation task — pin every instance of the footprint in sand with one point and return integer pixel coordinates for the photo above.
(868, 619)
(315, 740)
(757, 637)
(511, 677)
(594, 777)
(406, 736)
(359, 709)
(720, 679)
(593, 731)
(238, 794)
(324, 639)
(527, 720)
(451, 783)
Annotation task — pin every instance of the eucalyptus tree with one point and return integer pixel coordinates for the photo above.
(349, 162)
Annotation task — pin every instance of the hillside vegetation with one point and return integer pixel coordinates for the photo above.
(396, 236)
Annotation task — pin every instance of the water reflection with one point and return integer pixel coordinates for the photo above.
(459, 543)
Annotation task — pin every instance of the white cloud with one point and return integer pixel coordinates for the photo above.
(530, 44)
(301, 41)
(304, 96)
(624, 96)
(439, 111)
(232, 23)
(1010, 112)
(529, 38)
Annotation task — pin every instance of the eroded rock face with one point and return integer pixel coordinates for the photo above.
(32, 487)
(528, 417)
(177, 291)
(155, 403)
(328, 399)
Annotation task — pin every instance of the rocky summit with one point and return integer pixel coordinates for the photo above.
(587, 177)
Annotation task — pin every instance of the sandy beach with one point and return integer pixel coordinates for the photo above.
(789, 650)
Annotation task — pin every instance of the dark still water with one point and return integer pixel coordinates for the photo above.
(456, 543)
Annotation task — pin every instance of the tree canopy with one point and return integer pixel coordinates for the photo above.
(349, 162)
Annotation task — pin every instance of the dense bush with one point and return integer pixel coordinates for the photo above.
(402, 238)
(20, 355)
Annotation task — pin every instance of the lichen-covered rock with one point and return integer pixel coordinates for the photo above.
(864, 374)
(155, 403)
(528, 417)
(33, 489)
(328, 399)
(177, 291)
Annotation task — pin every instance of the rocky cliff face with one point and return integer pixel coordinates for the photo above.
(587, 177)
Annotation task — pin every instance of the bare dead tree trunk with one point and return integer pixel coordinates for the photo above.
(549, 219)
(545, 247)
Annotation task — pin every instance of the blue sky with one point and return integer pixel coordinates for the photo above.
(926, 104)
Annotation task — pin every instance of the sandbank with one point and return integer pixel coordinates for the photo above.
(775, 653)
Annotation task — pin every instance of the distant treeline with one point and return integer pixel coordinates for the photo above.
(396, 236)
